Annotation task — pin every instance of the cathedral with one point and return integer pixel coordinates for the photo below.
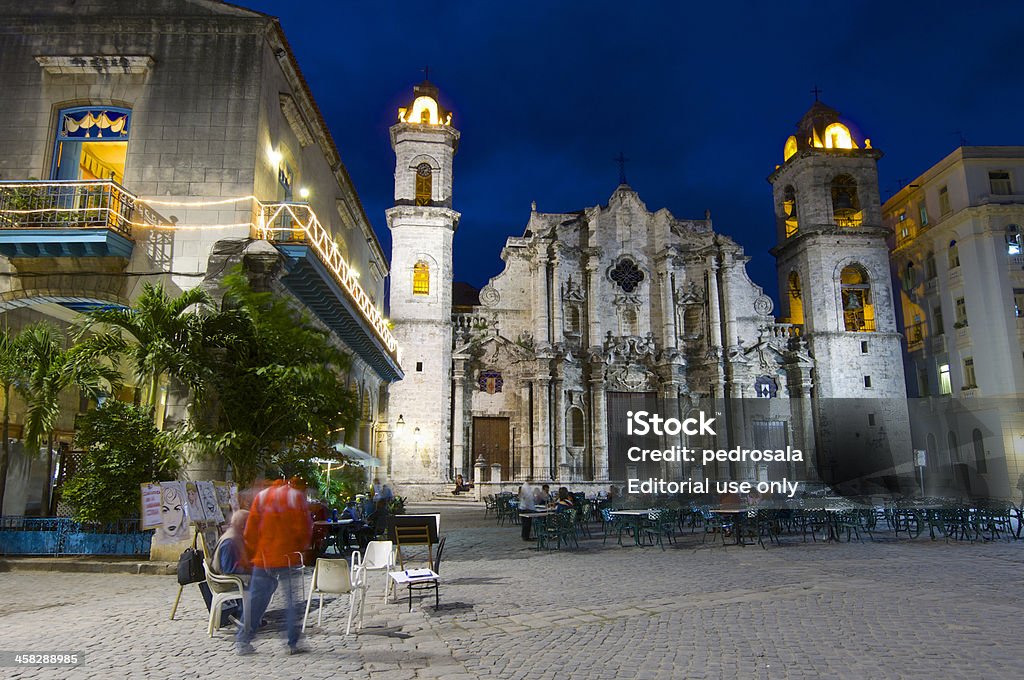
(615, 308)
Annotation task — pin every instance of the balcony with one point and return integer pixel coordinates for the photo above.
(955, 277)
(931, 286)
(963, 334)
(323, 280)
(92, 218)
(937, 344)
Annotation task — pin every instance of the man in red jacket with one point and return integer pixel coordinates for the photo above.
(278, 531)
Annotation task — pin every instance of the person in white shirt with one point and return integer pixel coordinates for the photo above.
(527, 503)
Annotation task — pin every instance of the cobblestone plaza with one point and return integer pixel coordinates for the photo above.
(885, 609)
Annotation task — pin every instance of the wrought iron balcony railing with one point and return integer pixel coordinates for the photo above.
(87, 204)
(297, 223)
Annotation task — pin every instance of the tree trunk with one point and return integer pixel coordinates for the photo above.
(44, 502)
(5, 452)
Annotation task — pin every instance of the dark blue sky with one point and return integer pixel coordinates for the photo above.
(701, 97)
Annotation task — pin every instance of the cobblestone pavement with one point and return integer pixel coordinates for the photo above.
(891, 609)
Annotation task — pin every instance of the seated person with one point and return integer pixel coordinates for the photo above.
(350, 511)
(543, 497)
(461, 485)
(376, 525)
(564, 501)
(230, 557)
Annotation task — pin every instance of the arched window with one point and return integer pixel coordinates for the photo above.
(789, 210)
(367, 410)
(424, 184)
(92, 143)
(846, 210)
(421, 278)
(979, 451)
(954, 255)
(954, 447)
(796, 302)
(577, 433)
(855, 296)
(909, 277)
(1013, 240)
(932, 449)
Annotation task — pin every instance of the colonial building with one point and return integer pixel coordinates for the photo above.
(614, 308)
(957, 255)
(166, 141)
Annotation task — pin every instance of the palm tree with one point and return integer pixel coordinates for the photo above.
(53, 370)
(158, 334)
(14, 368)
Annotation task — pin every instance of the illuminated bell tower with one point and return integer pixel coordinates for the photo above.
(832, 258)
(423, 226)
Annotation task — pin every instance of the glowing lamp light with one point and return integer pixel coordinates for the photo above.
(400, 425)
(275, 157)
(304, 192)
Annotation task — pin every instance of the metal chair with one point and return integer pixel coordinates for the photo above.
(430, 584)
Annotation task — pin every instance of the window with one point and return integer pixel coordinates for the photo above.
(864, 347)
(904, 225)
(1018, 302)
(979, 451)
(419, 366)
(789, 210)
(855, 296)
(1013, 240)
(954, 447)
(577, 433)
(954, 255)
(424, 184)
(938, 327)
(922, 382)
(945, 385)
(944, 207)
(999, 183)
(796, 303)
(871, 419)
(846, 210)
(627, 275)
(969, 379)
(961, 313)
(421, 279)
(867, 381)
(929, 266)
(92, 143)
(922, 212)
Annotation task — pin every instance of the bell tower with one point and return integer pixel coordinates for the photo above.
(423, 225)
(832, 258)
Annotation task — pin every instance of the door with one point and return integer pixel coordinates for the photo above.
(490, 440)
(619, 404)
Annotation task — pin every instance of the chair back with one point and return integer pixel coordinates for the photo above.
(437, 558)
(413, 535)
(331, 576)
(378, 555)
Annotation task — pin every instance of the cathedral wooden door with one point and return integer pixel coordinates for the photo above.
(490, 440)
(619, 404)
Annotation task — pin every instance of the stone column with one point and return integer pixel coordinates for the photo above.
(458, 427)
(714, 311)
(555, 297)
(593, 293)
(559, 424)
(539, 270)
(599, 425)
(541, 427)
(668, 310)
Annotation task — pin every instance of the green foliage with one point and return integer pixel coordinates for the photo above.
(124, 449)
(160, 335)
(274, 391)
(397, 505)
(15, 367)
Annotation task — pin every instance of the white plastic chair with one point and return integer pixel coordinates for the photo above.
(223, 587)
(380, 556)
(337, 578)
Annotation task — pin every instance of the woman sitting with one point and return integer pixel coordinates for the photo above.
(564, 501)
(461, 486)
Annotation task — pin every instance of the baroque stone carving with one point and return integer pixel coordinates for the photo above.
(489, 296)
(630, 378)
(763, 305)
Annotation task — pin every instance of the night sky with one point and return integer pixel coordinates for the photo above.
(700, 97)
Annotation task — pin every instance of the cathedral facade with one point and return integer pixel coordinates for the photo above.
(616, 308)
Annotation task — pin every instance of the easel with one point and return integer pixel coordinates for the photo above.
(197, 540)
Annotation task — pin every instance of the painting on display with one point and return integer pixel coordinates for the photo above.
(196, 511)
(151, 498)
(208, 499)
(173, 513)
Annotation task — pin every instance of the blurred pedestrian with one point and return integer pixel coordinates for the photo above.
(278, 530)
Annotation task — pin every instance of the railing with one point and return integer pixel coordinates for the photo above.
(67, 205)
(915, 336)
(848, 221)
(471, 322)
(297, 223)
(63, 536)
(785, 331)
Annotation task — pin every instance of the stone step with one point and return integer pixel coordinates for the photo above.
(461, 499)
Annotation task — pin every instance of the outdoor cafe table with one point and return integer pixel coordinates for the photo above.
(536, 514)
(637, 517)
(739, 515)
(338, 530)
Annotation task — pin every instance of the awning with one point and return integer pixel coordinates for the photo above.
(357, 455)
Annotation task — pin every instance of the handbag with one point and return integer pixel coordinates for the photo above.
(190, 567)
